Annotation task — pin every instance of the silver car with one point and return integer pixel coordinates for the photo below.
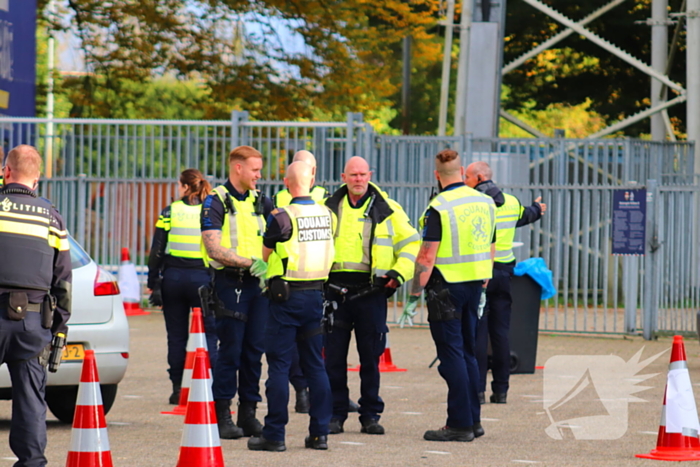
(98, 322)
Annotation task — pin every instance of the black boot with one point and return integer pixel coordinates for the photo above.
(175, 396)
(246, 419)
(303, 405)
(227, 430)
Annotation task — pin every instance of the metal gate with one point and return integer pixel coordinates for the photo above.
(111, 178)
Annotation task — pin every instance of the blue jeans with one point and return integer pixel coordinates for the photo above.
(294, 324)
(455, 341)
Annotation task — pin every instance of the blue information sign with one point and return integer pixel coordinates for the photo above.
(17, 57)
(629, 221)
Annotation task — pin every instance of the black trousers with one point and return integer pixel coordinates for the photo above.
(367, 316)
(20, 344)
(495, 326)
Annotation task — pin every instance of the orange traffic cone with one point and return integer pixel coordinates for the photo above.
(89, 442)
(129, 286)
(678, 430)
(200, 446)
(196, 340)
(386, 364)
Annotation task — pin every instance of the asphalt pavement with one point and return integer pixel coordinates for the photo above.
(516, 433)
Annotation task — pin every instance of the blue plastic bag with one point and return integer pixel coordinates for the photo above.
(537, 269)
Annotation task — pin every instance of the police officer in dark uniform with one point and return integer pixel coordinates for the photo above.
(281, 199)
(375, 248)
(298, 244)
(35, 274)
(455, 259)
(232, 223)
(495, 324)
(176, 271)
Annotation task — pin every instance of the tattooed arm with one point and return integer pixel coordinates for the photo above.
(225, 256)
(424, 266)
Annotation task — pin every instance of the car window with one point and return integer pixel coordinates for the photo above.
(78, 257)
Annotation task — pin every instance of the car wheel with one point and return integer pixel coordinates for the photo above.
(61, 400)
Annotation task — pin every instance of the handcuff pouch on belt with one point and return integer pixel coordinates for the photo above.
(440, 307)
(17, 306)
(278, 289)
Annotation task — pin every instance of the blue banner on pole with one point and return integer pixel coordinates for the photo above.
(17, 57)
(629, 221)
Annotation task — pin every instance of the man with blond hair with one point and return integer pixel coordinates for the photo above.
(35, 271)
(232, 222)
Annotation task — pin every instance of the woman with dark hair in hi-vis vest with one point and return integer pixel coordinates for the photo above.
(176, 270)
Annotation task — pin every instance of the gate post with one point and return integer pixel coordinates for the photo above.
(82, 206)
(350, 133)
(651, 277)
(237, 116)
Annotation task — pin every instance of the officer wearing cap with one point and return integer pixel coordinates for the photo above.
(176, 271)
(35, 273)
(298, 245)
(232, 224)
(455, 259)
(495, 324)
(375, 248)
(281, 199)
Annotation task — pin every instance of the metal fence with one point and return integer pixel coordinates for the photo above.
(111, 178)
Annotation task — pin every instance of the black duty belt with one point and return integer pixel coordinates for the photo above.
(33, 307)
(352, 287)
(236, 273)
(294, 287)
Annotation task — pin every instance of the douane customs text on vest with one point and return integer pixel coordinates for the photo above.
(474, 208)
(314, 228)
(8, 206)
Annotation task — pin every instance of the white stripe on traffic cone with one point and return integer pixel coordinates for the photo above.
(200, 445)
(89, 441)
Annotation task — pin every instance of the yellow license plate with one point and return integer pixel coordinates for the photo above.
(73, 352)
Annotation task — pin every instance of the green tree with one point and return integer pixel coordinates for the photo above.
(240, 50)
(579, 70)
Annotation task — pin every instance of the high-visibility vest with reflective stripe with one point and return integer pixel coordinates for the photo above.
(394, 243)
(468, 223)
(284, 198)
(242, 230)
(309, 250)
(184, 232)
(507, 216)
(28, 242)
(352, 239)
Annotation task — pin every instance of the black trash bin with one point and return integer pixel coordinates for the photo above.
(524, 324)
